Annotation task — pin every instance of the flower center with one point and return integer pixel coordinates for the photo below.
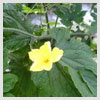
(46, 61)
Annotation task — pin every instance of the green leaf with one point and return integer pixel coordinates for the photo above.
(91, 80)
(55, 83)
(9, 81)
(93, 28)
(79, 83)
(8, 95)
(28, 10)
(70, 13)
(64, 18)
(9, 6)
(5, 58)
(60, 34)
(51, 23)
(78, 56)
(78, 7)
(22, 52)
(16, 20)
(25, 86)
(16, 42)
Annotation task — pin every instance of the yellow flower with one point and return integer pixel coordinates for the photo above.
(44, 57)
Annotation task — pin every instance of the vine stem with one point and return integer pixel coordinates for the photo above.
(56, 21)
(26, 33)
(17, 30)
(47, 37)
(46, 16)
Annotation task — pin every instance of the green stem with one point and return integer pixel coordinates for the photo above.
(39, 37)
(79, 35)
(56, 22)
(46, 16)
(26, 33)
(18, 30)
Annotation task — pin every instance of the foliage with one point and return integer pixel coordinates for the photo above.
(9, 82)
(69, 14)
(75, 75)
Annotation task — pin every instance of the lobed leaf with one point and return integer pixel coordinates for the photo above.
(60, 34)
(78, 57)
(69, 14)
(55, 83)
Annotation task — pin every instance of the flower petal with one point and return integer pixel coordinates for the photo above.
(46, 49)
(34, 54)
(36, 66)
(56, 54)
